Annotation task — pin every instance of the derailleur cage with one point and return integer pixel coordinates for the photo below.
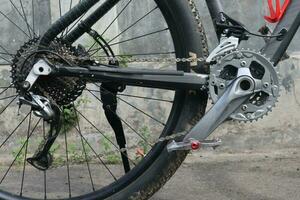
(42, 158)
(40, 105)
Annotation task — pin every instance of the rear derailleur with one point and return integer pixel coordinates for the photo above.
(42, 107)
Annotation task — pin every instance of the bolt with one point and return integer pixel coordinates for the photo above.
(226, 31)
(266, 84)
(222, 86)
(26, 85)
(243, 63)
(244, 107)
(249, 116)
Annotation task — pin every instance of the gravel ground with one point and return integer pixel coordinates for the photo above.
(205, 175)
(222, 176)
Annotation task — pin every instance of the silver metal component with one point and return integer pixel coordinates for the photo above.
(175, 146)
(254, 65)
(244, 107)
(235, 95)
(243, 63)
(226, 45)
(41, 68)
(41, 106)
(193, 144)
(266, 84)
(211, 143)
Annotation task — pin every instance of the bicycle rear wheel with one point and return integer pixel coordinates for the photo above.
(87, 160)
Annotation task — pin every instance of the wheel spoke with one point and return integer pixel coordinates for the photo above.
(14, 23)
(1, 99)
(67, 159)
(136, 96)
(6, 88)
(101, 161)
(4, 49)
(78, 20)
(33, 17)
(103, 135)
(19, 152)
(25, 18)
(127, 124)
(9, 136)
(84, 151)
(140, 36)
(45, 172)
(143, 112)
(71, 4)
(8, 61)
(132, 25)
(8, 105)
(110, 24)
(25, 157)
(21, 15)
(60, 9)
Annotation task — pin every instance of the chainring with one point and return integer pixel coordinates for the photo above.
(260, 69)
(62, 90)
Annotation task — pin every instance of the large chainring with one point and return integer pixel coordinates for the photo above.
(61, 90)
(260, 69)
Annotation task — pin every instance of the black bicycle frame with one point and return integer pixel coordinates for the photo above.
(274, 48)
(289, 25)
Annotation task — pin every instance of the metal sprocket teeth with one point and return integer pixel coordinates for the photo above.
(261, 69)
(61, 90)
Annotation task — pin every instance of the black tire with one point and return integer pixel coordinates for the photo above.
(188, 108)
(189, 36)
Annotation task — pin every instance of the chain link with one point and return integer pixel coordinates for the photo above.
(160, 60)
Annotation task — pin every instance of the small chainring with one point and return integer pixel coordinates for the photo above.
(260, 69)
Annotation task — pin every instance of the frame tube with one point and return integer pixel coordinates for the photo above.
(275, 49)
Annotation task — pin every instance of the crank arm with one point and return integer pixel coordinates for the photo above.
(237, 93)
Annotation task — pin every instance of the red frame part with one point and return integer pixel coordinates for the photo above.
(276, 15)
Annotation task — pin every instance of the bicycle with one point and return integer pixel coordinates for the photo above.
(52, 74)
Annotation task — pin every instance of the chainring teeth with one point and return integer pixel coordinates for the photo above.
(233, 59)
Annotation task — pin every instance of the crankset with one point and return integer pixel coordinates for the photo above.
(243, 86)
(239, 91)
